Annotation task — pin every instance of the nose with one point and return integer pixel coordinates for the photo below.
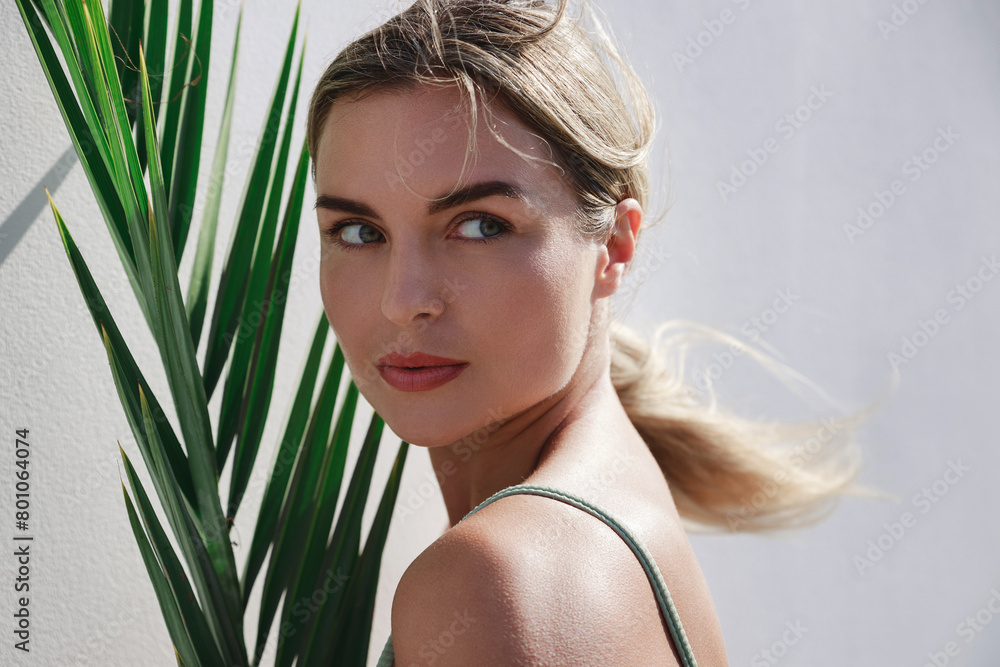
(411, 294)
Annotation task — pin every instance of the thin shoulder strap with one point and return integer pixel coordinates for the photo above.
(666, 604)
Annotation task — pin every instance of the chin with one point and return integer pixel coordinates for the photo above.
(419, 436)
(418, 428)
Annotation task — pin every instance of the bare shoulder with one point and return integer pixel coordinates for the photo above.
(531, 581)
(453, 605)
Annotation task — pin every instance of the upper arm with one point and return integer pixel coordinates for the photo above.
(451, 609)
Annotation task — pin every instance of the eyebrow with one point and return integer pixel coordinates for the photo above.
(461, 196)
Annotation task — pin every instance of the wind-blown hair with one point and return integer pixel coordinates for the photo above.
(565, 78)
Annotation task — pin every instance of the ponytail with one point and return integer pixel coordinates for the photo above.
(727, 472)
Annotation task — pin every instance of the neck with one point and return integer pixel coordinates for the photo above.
(511, 449)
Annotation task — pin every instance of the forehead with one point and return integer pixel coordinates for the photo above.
(417, 141)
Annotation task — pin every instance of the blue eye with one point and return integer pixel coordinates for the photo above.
(486, 226)
(356, 234)
(367, 234)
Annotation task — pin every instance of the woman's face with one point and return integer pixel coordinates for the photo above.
(498, 279)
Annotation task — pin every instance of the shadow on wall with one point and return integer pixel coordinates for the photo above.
(13, 228)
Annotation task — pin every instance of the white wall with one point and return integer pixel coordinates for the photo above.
(855, 298)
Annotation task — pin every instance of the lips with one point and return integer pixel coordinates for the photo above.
(418, 371)
(416, 360)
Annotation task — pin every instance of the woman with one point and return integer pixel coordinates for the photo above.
(481, 183)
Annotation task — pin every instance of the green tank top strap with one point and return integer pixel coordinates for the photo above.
(663, 598)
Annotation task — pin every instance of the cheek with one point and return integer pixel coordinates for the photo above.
(543, 317)
(328, 292)
(344, 302)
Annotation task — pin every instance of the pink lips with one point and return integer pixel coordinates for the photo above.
(418, 371)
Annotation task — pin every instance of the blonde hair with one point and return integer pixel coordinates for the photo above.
(559, 78)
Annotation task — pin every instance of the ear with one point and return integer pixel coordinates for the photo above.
(619, 249)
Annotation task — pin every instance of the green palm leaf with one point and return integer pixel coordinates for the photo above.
(185, 379)
(351, 619)
(342, 552)
(317, 525)
(197, 296)
(178, 67)
(164, 595)
(190, 611)
(125, 21)
(296, 514)
(257, 307)
(233, 284)
(263, 358)
(187, 158)
(281, 471)
(179, 514)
